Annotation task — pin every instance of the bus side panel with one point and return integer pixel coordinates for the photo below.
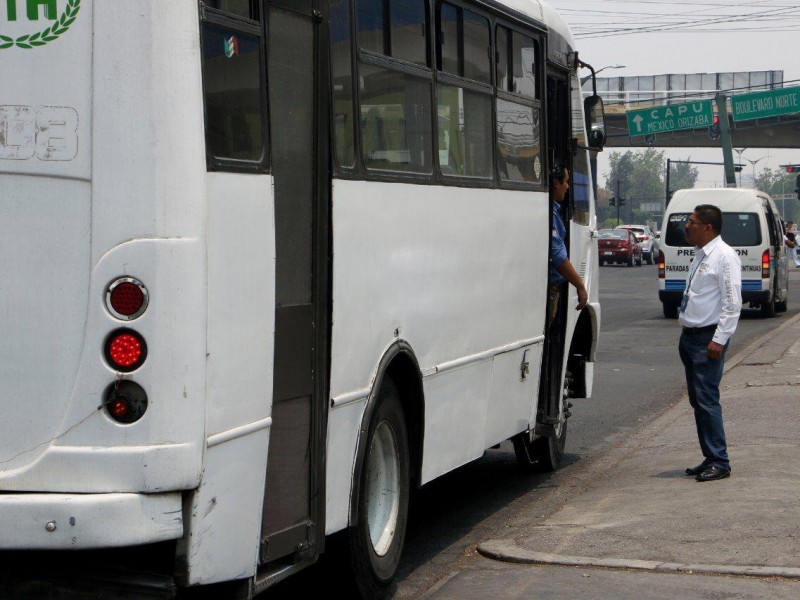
(224, 514)
(455, 272)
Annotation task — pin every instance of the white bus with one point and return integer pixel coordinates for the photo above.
(270, 264)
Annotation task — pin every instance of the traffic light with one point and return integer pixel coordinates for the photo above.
(714, 130)
(612, 201)
(794, 169)
(622, 201)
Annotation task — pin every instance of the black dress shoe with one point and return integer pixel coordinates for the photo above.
(712, 473)
(693, 471)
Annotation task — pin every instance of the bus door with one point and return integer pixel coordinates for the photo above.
(558, 136)
(293, 516)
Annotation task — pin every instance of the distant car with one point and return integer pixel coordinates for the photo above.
(619, 246)
(648, 239)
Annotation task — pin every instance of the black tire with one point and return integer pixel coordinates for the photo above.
(670, 310)
(629, 262)
(374, 561)
(639, 262)
(783, 306)
(601, 262)
(768, 309)
(550, 450)
(650, 258)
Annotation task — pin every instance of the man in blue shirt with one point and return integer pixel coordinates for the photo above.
(561, 268)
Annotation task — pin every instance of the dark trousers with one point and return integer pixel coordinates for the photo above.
(703, 375)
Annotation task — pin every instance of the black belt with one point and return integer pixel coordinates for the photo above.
(694, 330)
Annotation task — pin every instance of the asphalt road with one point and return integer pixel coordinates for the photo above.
(637, 376)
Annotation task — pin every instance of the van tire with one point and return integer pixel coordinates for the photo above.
(629, 262)
(650, 258)
(670, 310)
(768, 308)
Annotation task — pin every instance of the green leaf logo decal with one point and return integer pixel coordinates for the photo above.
(51, 33)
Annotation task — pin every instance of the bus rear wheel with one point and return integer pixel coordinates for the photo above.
(375, 542)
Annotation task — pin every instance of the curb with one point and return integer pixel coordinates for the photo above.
(753, 346)
(509, 551)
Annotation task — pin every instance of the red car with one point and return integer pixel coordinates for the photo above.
(618, 246)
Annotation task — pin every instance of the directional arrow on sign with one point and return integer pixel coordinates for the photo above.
(638, 120)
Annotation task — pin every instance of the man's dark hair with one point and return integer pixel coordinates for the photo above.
(557, 173)
(710, 215)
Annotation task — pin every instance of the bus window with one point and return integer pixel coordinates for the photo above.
(518, 142)
(407, 18)
(465, 132)
(503, 37)
(402, 35)
(237, 7)
(464, 55)
(477, 63)
(449, 42)
(342, 74)
(581, 175)
(395, 120)
(233, 94)
(523, 53)
(516, 63)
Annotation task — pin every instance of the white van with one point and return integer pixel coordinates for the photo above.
(751, 225)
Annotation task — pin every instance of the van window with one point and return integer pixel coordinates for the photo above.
(741, 229)
(738, 229)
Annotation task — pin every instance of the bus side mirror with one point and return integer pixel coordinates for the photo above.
(595, 121)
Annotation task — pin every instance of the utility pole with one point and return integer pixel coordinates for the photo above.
(725, 134)
(619, 198)
(666, 193)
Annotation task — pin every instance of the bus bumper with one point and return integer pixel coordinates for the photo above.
(87, 521)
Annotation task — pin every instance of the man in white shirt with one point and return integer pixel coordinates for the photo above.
(709, 314)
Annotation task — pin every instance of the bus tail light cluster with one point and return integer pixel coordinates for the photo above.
(765, 264)
(662, 265)
(125, 350)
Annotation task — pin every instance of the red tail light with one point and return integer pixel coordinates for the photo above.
(126, 298)
(642, 238)
(125, 401)
(765, 264)
(125, 350)
(662, 265)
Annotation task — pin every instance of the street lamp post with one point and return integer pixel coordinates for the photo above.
(739, 152)
(754, 163)
(588, 77)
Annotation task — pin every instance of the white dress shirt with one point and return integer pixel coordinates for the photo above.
(713, 294)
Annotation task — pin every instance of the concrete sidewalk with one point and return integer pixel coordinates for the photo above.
(638, 511)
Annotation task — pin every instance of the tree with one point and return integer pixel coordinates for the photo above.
(778, 181)
(683, 176)
(641, 179)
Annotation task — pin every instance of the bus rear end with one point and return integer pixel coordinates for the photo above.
(102, 365)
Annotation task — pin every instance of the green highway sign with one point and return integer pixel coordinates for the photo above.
(771, 103)
(673, 117)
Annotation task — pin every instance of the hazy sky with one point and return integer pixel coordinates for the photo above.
(652, 37)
